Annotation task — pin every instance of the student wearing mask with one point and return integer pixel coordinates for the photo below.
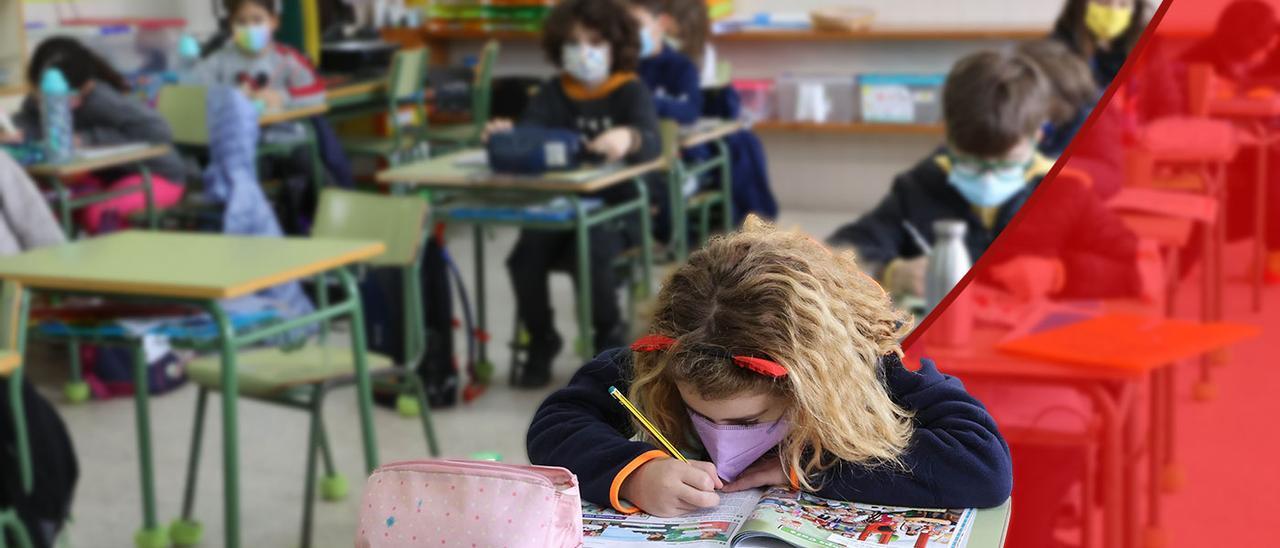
(595, 45)
(995, 105)
(103, 113)
(1102, 32)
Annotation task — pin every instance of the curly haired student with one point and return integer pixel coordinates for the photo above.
(775, 358)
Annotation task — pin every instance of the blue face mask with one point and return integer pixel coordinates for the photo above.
(988, 187)
(648, 46)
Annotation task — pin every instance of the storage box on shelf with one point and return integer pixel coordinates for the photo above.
(13, 48)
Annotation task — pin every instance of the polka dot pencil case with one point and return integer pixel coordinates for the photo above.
(470, 503)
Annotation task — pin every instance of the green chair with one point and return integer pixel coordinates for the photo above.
(405, 88)
(702, 205)
(301, 378)
(457, 136)
(13, 302)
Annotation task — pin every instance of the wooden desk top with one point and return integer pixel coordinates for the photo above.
(346, 91)
(706, 131)
(279, 117)
(464, 170)
(79, 166)
(181, 265)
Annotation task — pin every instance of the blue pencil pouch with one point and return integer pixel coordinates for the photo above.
(534, 150)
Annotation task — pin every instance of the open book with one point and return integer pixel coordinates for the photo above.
(782, 517)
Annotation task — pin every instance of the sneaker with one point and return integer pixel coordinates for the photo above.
(536, 372)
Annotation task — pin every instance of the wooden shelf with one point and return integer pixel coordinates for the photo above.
(855, 128)
(883, 34)
(13, 89)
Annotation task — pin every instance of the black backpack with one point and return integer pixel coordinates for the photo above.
(382, 295)
(53, 459)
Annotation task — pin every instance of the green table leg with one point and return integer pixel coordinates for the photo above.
(313, 447)
(585, 320)
(151, 535)
(186, 531)
(230, 426)
(25, 471)
(76, 390)
(149, 196)
(364, 389)
(64, 206)
(679, 216)
(646, 237)
(726, 184)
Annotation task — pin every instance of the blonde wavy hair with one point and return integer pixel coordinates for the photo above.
(778, 294)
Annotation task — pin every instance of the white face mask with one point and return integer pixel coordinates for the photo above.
(587, 64)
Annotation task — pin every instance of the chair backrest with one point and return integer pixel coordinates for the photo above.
(408, 76)
(669, 131)
(407, 87)
(1200, 88)
(184, 108)
(399, 222)
(11, 317)
(482, 86)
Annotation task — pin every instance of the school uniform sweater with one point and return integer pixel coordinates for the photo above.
(622, 101)
(675, 84)
(107, 117)
(921, 196)
(1070, 224)
(956, 456)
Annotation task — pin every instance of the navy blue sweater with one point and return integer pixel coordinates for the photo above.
(675, 84)
(956, 457)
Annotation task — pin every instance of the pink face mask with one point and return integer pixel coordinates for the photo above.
(734, 447)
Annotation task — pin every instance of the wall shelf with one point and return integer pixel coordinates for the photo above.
(855, 128)
(901, 34)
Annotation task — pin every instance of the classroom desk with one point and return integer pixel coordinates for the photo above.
(990, 527)
(57, 173)
(1111, 380)
(357, 94)
(273, 117)
(704, 132)
(463, 175)
(1254, 116)
(1211, 163)
(202, 270)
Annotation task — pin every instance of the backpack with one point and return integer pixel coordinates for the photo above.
(108, 370)
(53, 459)
(382, 295)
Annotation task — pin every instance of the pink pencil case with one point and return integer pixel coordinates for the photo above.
(470, 503)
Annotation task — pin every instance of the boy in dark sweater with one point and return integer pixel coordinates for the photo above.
(995, 105)
(672, 77)
(595, 43)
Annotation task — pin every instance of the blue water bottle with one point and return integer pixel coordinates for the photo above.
(56, 116)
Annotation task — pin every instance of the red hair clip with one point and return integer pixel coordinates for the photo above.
(766, 367)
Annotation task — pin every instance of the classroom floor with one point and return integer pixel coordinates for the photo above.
(107, 507)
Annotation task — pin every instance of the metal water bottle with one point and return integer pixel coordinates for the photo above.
(55, 116)
(948, 263)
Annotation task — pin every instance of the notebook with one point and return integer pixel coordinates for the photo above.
(782, 517)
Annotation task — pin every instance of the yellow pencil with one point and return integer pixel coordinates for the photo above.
(613, 391)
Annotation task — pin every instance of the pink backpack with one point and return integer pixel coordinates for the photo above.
(470, 503)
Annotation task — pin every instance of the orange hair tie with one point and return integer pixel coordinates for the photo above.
(763, 366)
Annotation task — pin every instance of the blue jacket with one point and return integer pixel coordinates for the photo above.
(956, 457)
(232, 178)
(675, 84)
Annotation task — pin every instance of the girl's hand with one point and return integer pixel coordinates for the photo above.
(668, 487)
(766, 472)
(613, 144)
(496, 125)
